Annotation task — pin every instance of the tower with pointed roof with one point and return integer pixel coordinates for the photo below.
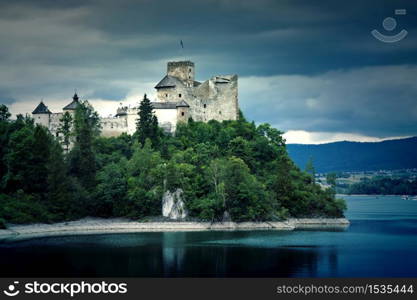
(42, 114)
(73, 105)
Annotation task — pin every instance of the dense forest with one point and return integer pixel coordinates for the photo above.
(384, 186)
(231, 166)
(355, 156)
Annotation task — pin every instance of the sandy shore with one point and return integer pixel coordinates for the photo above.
(98, 226)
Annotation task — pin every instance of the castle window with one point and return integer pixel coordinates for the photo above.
(220, 112)
(166, 95)
(179, 95)
(189, 70)
(182, 113)
(204, 105)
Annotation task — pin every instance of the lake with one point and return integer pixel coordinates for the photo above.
(381, 242)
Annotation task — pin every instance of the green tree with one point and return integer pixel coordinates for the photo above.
(145, 181)
(147, 123)
(241, 148)
(4, 140)
(4, 113)
(38, 172)
(19, 159)
(111, 190)
(59, 193)
(310, 169)
(230, 168)
(82, 156)
(246, 197)
(281, 182)
(331, 179)
(27, 158)
(65, 130)
(217, 201)
(113, 149)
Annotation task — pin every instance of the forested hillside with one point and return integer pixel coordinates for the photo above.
(384, 186)
(355, 156)
(232, 166)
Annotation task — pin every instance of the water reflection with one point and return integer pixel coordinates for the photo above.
(173, 257)
(378, 245)
(168, 254)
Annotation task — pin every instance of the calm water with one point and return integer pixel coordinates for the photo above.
(381, 242)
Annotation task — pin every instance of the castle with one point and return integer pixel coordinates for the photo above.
(179, 97)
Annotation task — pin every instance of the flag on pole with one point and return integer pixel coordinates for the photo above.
(182, 44)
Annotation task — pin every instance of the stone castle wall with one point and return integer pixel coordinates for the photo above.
(113, 126)
(182, 97)
(216, 99)
(50, 121)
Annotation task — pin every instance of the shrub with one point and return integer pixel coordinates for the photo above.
(21, 208)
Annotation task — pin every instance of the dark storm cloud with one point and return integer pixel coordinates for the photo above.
(373, 101)
(303, 64)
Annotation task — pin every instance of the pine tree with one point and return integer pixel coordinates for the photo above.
(310, 169)
(59, 185)
(82, 156)
(40, 155)
(4, 140)
(64, 129)
(19, 159)
(147, 123)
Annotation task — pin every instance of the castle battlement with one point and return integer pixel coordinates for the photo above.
(173, 64)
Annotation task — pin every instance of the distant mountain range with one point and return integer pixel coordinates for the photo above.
(357, 156)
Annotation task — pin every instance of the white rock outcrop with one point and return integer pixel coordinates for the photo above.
(173, 206)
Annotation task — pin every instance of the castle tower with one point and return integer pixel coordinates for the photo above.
(42, 114)
(178, 83)
(73, 105)
(183, 111)
(183, 70)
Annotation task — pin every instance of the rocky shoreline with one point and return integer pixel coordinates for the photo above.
(101, 226)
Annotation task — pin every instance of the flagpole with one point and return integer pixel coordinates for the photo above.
(182, 49)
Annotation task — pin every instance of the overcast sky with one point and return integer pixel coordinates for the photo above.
(309, 68)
